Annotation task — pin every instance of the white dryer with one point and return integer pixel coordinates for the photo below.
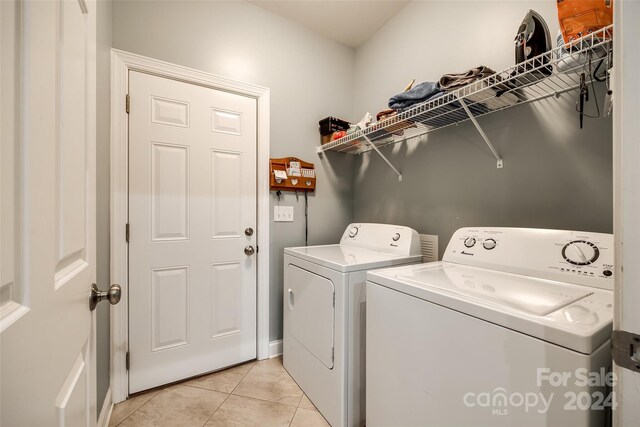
(324, 314)
(512, 328)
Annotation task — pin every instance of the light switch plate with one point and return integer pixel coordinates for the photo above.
(283, 213)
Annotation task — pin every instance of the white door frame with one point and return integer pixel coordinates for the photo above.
(626, 196)
(121, 63)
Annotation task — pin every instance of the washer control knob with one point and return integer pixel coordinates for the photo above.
(580, 252)
(396, 237)
(469, 242)
(489, 244)
(353, 231)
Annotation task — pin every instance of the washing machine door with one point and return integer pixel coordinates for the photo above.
(311, 314)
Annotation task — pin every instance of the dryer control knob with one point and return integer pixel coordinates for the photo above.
(469, 242)
(396, 237)
(353, 231)
(489, 244)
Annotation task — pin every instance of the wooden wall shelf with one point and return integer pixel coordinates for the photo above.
(306, 181)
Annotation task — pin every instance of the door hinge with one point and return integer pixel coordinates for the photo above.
(334, 300)
(127, 361)
(625, 349)
(127, 232)
(333, 354)
(127, 103)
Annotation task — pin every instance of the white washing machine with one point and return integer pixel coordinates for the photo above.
(512, 328)
(324, 313)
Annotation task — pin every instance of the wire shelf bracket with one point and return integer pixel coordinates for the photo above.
(377, 150)
(484, 136)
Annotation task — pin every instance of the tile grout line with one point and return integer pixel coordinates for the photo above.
(214, 412)
(225, 399)
(257, 398)
(265, 400)
(244, 376)
(138, 408)
(294, 416)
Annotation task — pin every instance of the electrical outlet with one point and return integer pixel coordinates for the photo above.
(283, 213)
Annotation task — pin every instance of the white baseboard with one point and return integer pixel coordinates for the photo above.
(105, 412)
(275, 348)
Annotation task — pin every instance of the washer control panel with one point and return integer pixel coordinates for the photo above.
(383, 237)
(570, 256)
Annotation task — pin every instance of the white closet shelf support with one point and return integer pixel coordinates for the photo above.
(545, 76)
(384, 158)
(482, 134)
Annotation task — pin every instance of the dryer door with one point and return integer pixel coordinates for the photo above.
(310, 301)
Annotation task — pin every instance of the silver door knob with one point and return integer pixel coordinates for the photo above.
(113, 295)
(249, 250)
(248, 231)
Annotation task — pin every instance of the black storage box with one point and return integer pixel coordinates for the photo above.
(331, 124)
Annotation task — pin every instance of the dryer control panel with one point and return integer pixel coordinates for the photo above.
(388, 238)
(578, 257)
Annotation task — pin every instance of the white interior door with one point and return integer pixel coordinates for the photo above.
(192, 195)
(626, 134)
(48, 212)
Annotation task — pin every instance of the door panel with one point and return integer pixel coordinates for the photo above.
(170, 310)
(10, 286)
(192, 192)
(47, 342)
(71, 156)
(169, 112)
(70, 402)
(169, 192)
(226, 184)
(226, 299)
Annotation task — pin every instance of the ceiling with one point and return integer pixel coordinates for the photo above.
(350, 22)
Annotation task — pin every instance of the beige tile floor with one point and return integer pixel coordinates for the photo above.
(253, 394)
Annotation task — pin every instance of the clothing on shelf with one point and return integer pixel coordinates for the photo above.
(495, 97)
(453, 81)
(384, 114)
(419, 93)
(395, 128)
(449, 112)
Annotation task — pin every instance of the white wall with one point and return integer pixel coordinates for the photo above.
(555, 175)
(427, 39)
(309, 76)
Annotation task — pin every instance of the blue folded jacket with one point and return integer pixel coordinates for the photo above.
(419, 93)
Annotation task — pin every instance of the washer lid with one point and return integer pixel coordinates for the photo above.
(347, 258)
(526, 294)
(572, 316)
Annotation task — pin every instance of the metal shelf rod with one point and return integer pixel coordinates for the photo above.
(383, 157)
(481, 132)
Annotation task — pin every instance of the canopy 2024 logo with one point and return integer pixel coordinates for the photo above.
(586, 391)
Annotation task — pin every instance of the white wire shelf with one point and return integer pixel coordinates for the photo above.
(548, 75)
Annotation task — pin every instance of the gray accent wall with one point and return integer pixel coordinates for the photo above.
(310, 77)
(103, 120)
(554, 175)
